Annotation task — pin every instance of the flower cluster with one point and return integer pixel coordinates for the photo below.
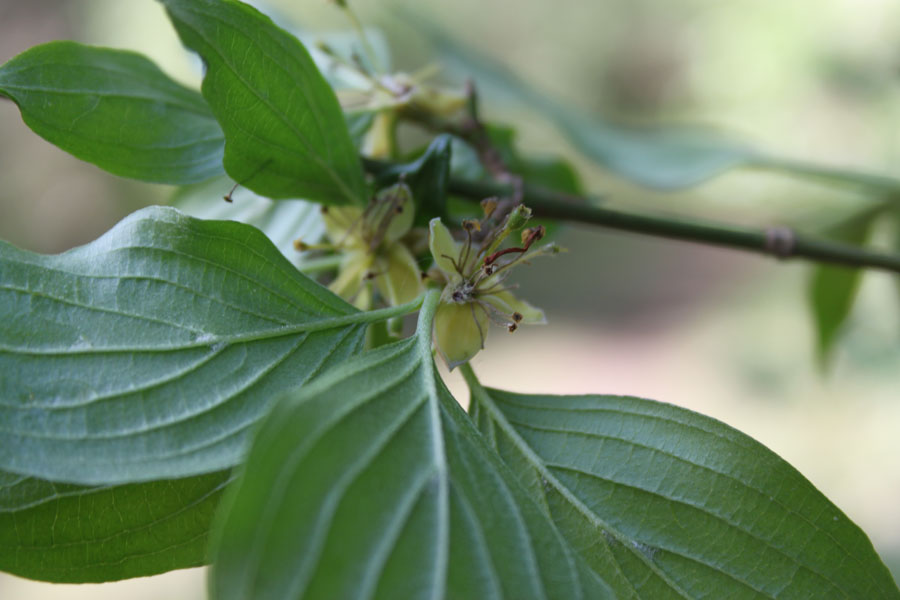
(474, 273)
(373, 255)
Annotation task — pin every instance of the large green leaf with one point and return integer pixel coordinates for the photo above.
(666, 503)
(150, 352)
(661, 156)
(115, 109)
(833, 289)
(372, 483)
(283, 221)
(76, 534)
(285, 134)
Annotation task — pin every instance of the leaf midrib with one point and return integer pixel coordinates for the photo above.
(509, 500)
(439, 446)
(337, 491)
(264, 334)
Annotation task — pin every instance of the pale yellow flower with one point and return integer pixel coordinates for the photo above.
(475, 293)
(373, 255)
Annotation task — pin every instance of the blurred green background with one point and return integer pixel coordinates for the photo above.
(724, 333)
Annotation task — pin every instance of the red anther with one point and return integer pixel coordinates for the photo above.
(532, 234)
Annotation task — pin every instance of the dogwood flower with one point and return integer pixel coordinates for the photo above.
(373, 255)
(475, 294)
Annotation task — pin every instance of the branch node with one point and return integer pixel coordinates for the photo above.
(780, 242)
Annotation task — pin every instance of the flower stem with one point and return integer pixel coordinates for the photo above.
(429, 303)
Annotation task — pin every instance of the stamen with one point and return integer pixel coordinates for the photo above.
(477, 324)
(493, 257)
(495, 289)
(301, 246)
(395, 208)
(500, 279)
(349, 231)
(227, 197)
(452, 260)
(489, 205)
(494, 315)
(467, 249)
(529, 236)
(471, 225)
(532, 235)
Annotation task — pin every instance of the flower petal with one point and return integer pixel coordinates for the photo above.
(508, 304)
(399, 278)
(459, 331)
(340, 224)
(397, 202)
(351, 277)
(444, 249)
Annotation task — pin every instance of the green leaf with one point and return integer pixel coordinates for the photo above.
(150, 353)
(282, 221)
(833, 289)
(664, 158)
(76, 534)
(372, 483)
(660, 156)
(116, 110)
(427, 178)
(285, 134)
(545, 171)
(666, 503)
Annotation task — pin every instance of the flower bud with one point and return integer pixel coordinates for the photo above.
(518, 217)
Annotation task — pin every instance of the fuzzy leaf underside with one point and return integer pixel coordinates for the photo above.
(665, 503)
(68, 533)
(150, 353)
(372, 483)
